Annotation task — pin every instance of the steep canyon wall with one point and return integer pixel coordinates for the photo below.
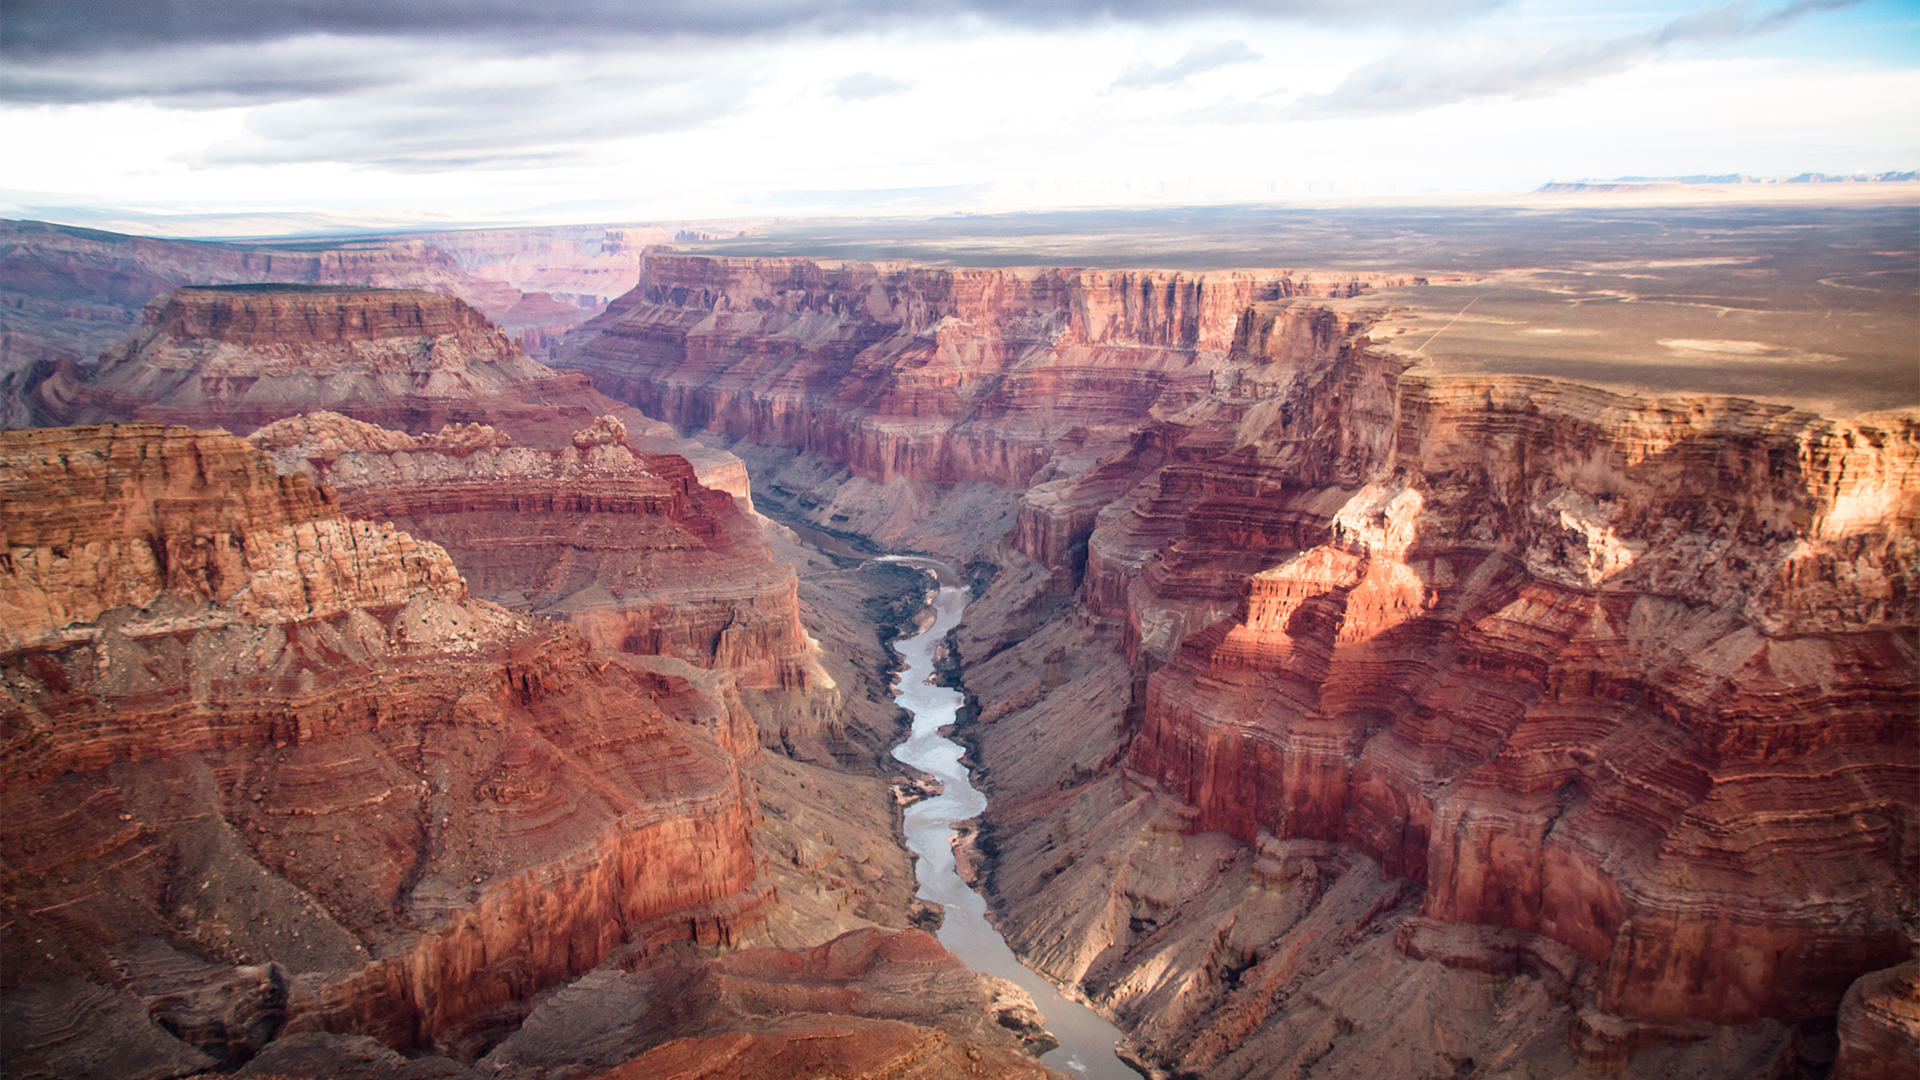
(1632, 679)
(283, 783)
(254, 748)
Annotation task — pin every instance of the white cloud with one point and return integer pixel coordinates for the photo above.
(1441, 73)
(1203, 56)
(976, 116)
(862, 85)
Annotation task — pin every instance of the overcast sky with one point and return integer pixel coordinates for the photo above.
(460, 111)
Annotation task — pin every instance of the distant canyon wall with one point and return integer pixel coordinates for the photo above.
(931, 374)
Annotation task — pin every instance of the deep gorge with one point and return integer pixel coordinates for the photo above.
(1340, 716)
(1578, 688)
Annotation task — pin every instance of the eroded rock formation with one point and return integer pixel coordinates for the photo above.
(68, 293)
(240, 356)
(268, 769)
(629, 547)
(1292, 649)
(867, 1003)
(933, 375)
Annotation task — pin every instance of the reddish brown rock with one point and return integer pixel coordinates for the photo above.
(866, 1004)
(1880, 1026)
(106, 517)
(934, 375)
(240, 356)
(1632, 677)
(1545, 665)
(412, 809)
(628, 547)
(69, 292)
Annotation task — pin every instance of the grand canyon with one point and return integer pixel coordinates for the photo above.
(1446, 653)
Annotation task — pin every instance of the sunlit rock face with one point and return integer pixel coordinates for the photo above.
(1627, 674)
(268, 769)
(550, 496)
(1293, 648)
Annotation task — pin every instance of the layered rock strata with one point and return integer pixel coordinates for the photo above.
(1627, 681)
(241, 356)
(1627, 675)
(629, 547)
(937, 376)
(269, 770)
(69, 292)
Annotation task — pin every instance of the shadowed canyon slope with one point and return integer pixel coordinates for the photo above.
(1313, 691)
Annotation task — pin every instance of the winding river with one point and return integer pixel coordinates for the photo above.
(1086, 1039)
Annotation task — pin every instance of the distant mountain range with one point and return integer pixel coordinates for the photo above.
(1631, 182)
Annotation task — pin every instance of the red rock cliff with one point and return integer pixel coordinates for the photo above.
(243, 355)
(288, 755)
(627, 546)
(1632, 676)
(1624, 673)
(937, 375)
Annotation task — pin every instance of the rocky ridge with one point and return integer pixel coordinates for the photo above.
(322, 830)
(1291, 649)
(242, 356)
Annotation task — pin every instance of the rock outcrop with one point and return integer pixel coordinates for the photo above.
(270, 770)
(70, 292)
(1291, 649)
(1880, 1026)
(629, 547)
(544, 502)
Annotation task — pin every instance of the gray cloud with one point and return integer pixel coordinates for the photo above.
(533, 112)
(1201, 57)
(216, 76)
(40, 28)
(862, 85)
(1430, 78)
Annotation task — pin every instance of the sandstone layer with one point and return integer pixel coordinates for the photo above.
(242, 356)
(933, 375)
(629, 547)
(1290, 649)
(69, 292)
(270, 770)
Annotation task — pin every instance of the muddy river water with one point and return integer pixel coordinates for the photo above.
(1086, 1039)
